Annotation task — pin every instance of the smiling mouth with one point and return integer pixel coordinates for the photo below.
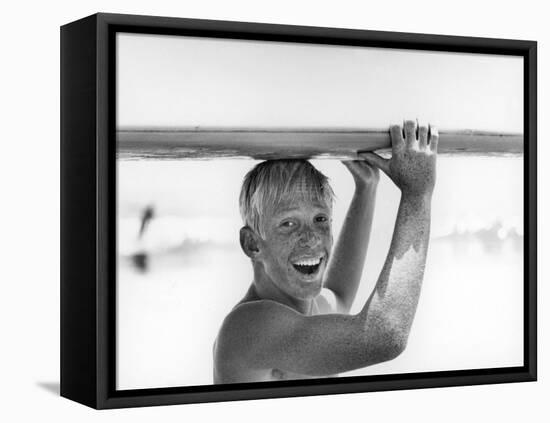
(308, 266)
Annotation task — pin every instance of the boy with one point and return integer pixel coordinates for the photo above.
(287, 326)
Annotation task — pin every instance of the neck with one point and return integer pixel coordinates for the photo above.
(265, 288)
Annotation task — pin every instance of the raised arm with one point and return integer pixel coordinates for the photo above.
(392, 305)
(348, 258)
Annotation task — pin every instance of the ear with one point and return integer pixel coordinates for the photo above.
(249, 242)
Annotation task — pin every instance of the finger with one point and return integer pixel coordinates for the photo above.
(366, 165)
(367, 171)
(422, 137)
(410, 132)
(396, 135)
(351, 164)
(362, 169)
(433, 138)
(356, 166)
(367, 168)
(377, 161)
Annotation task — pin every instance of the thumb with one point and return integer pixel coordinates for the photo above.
(376, 161)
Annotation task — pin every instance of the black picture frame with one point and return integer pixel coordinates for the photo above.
(88, 222)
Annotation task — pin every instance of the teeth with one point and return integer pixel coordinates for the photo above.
(308, 262)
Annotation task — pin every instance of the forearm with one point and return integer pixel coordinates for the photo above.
(347, 260)
(390, 310)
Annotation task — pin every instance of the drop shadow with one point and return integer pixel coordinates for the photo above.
(51, 387)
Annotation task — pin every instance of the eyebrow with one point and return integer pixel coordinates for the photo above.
(294, 208)
(287, 209)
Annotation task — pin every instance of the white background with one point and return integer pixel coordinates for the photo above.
(30, 210)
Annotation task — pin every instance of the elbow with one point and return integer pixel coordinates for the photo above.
(388, 344)
(386, 337)
(395, 345)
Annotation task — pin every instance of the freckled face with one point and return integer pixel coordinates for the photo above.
(296, 246)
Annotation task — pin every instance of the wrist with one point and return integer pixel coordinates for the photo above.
(369, 185)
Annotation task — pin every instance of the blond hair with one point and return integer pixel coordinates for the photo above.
(269, 182)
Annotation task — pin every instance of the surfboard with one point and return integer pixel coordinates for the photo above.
(264, 143)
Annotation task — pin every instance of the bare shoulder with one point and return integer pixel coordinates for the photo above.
(250, 333)
(253, 320)
(241, 336)
(249, 319)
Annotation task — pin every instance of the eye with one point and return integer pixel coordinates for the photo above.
(288, 224)
(321, 219)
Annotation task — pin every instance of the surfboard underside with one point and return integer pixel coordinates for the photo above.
(272, 143)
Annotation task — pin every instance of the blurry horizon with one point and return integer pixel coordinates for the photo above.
(194, 205)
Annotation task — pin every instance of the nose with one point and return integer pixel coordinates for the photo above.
(309, 238)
